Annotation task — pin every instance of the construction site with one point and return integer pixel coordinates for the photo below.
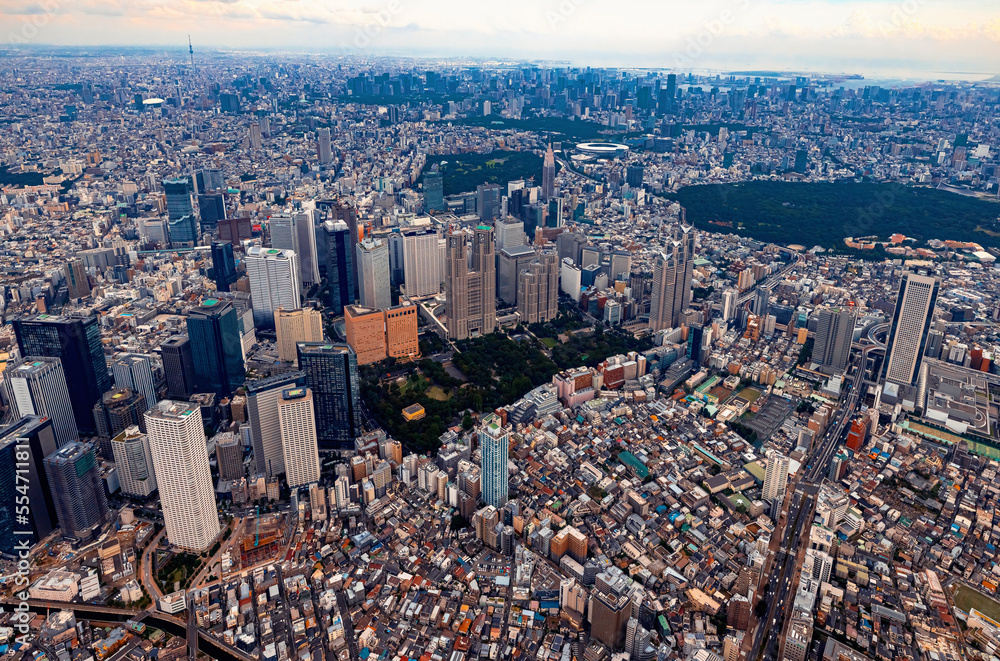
(263, 539)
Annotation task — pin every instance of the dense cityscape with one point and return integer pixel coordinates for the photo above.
(307, 357)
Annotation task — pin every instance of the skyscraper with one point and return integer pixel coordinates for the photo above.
(134, 462)
(178, 366)
(488, 202)
(180, 464)
(509, 233)
(37, 386)
(331, 373)
(538, 289)
(510, 263)
(775, 480)
(212, 209)
(297, 232)
(263, 396)
(216, 351)
(76, 342)
(118, 410)
(298, 436)
(229, 456)
(470, 289)
(373, 274)
(135, 372)
(421, 263)
(730, 299)
(911, 322)
(180, 214)
(634, 175)
(761, 301)
(274, 283)
(34, 435)
(76, 279)
(433, 192)
(77, 490)
(549, 174)
(494, 448)
(223, 266)
(324, 150)
(834, 334)
(672, 274)
(294, 326)
(339, 265)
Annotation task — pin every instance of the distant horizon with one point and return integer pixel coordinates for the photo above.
(914, 76)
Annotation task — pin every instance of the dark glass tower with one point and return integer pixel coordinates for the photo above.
(433, 192)
(212, 207)
(180, 213)
(35, 435)
(223, 266)
(213, 329)
(332, 374)
(77, 489)
(76, 341)
(339, 265)
(178, 367)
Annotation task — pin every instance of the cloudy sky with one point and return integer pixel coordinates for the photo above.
(893, 37)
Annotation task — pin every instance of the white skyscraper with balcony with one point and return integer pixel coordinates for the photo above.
(180, 462)
(274, 282)
(298, 436)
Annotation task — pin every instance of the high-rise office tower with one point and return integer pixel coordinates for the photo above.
(421, 263)
(76, 279)
(433, 192)
(229, 456)
(634, 175)
(135, 372)
(181, 222)
(341, 211)
(470, 288)
(365, 329)
(570, 246)
(216, 351)
(274, 283)
(256, 136)
(549, 174)
(834, 334)
(509, 233)
(118, 410)
(37, 386)
(609, 613)
(488, 202)
(696, 341)
(395, 241)
(339, 265)
(510, 263)
(331, 373)
(775, 478)
(672, 274)
(297, 232)
(265, 428)
(134, 462)
(178, 366)
(494, 440)
(538, 289)
(223, 266)
(911, 322)
(373, 274)
(212, 209)
(298, 436)
(77, 490)
(761, 301)
(730, 299)
(180, 464)
(636, 639)
(324, 150)
(621, 266)
(294, 326)
(35, 436)
(76, 342)
(401, 331)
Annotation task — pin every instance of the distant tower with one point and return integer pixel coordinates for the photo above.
(191, 51)
(549, 174)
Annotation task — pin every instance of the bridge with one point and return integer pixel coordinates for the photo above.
(197, 640)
